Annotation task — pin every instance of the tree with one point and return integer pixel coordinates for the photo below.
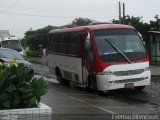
(82, 21)
(155, 25)
(34, 38)
(137, 23)
(131, 20)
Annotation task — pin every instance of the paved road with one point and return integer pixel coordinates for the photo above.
(70, 103)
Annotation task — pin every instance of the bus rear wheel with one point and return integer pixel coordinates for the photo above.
(59, 76)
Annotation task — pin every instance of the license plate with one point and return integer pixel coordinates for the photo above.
(129, 85)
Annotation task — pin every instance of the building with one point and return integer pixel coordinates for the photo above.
(154, 51)
(4, 33)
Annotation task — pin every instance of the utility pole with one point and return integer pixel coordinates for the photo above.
(124, 11)
(119, 12)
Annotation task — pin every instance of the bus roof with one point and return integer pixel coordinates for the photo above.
(9, 38)
(92, 27)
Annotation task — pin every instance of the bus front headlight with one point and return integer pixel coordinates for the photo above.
(147, 69)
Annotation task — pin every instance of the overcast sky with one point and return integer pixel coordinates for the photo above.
(18, 16)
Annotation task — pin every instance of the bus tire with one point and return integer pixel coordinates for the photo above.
(139, 88)
(92, 83)
(59, 76)
(66, 82)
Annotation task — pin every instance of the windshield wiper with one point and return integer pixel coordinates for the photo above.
(119, 51)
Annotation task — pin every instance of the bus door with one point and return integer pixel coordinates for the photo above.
(87, 57)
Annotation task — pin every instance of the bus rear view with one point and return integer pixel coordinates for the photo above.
(12, 43)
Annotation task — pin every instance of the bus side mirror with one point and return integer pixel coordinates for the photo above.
(141, 37)
(144, 42)
(85, 37)
(87, 44)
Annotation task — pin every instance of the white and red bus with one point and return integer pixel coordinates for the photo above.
(11, 42)
(102, 56)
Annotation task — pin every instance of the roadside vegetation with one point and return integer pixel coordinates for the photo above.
(19, 89)
(33, 53)
(37, 39)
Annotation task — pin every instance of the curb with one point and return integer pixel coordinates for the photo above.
(37, 62)
(158, 76)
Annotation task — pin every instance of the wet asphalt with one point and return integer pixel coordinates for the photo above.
(76, 103)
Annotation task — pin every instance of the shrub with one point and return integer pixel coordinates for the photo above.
(32, 53)
(18, 88)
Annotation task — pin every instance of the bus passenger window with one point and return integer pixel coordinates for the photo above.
(72, 44)
(91, 56)
(61, 44)
(52, 43)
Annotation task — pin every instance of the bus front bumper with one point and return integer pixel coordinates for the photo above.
(112, 82)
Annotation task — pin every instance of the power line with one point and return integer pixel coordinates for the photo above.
(46, 16)
(66, 9)
(98, 11)
(63, 8)
(11, 6)
(25, 14)
(69, 11)
(59, 7)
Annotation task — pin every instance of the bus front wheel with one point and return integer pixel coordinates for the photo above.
(139, 88)
(92, 83)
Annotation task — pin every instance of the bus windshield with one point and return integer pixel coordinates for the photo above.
(125, 40)
(12, 44)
